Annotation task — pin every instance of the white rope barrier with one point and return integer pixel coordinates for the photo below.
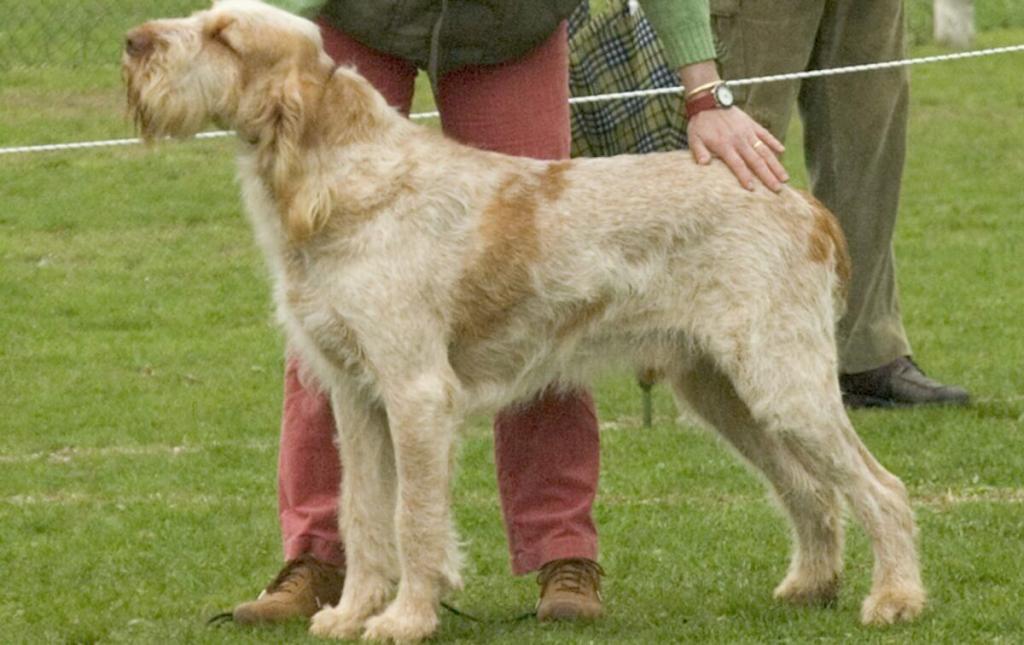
(977, 53)
(100, 144)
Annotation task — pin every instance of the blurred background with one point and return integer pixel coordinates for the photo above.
(60, 59)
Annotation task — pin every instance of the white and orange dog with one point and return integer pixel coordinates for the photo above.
(423, 281)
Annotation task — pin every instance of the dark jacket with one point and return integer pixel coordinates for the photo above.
(466, 32)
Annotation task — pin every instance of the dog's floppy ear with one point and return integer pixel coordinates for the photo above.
(287, 110)
(306, 214)
(287, 115)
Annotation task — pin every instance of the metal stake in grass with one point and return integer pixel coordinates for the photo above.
(646, 380)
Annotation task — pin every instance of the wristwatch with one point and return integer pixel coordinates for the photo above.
(719, 96)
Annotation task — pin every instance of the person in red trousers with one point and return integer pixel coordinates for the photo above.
(547, 453)
(510, 95)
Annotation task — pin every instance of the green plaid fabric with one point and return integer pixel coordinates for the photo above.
(618, 51)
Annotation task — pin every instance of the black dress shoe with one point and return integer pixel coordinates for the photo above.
(900, 383)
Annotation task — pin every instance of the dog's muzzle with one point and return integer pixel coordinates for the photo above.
(138, 42)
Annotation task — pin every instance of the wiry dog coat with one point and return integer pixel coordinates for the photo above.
(423, 280)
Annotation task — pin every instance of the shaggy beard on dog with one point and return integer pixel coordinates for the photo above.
(422, 281)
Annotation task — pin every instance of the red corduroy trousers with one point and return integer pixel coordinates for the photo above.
(547, 452)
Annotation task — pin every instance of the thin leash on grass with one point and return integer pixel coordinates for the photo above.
(617, 96)
(491, 621)
(226, 617)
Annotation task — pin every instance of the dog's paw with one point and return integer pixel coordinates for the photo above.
(808, 592)
(889, 606)
(401, 624)
(333, 623)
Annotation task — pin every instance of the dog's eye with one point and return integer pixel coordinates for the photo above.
(217, 34)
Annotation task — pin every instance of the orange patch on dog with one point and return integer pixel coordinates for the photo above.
(827, 240)
(552, 182)
(498, 278)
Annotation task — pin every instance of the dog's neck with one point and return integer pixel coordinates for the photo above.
(326, 107)
(351, 110)
(318, 113)
(327, 101)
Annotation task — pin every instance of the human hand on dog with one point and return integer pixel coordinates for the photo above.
(744, 145)
(730, 134)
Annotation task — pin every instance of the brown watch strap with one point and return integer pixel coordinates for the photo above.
(697, 104)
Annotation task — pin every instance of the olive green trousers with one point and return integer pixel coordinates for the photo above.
(854, 135)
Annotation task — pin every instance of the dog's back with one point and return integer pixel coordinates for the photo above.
(563, 263)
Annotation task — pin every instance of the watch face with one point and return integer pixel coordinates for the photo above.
(724, 96)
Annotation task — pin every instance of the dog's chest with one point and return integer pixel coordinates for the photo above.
(313, 311)
(314, 316)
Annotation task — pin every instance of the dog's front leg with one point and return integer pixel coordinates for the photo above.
(423, 415)
(364, 514)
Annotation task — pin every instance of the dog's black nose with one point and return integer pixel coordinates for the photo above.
(138, 42)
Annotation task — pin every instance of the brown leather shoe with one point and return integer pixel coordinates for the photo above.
(900, 383)
(570, 590)
(303, 586)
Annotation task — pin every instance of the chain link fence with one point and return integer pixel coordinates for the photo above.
(73, 34)
(88, 32)
(83, 32)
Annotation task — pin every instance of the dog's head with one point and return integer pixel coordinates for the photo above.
(241, 64)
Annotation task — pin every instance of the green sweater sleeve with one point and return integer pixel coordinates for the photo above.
(684, 29)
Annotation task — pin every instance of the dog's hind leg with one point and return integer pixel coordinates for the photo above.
(423, 412)
(897, 593)
(364, 515)
(813, 507)
(879, 501)
(790, 386)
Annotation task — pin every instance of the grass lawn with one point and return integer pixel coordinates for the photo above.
(140, 392)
